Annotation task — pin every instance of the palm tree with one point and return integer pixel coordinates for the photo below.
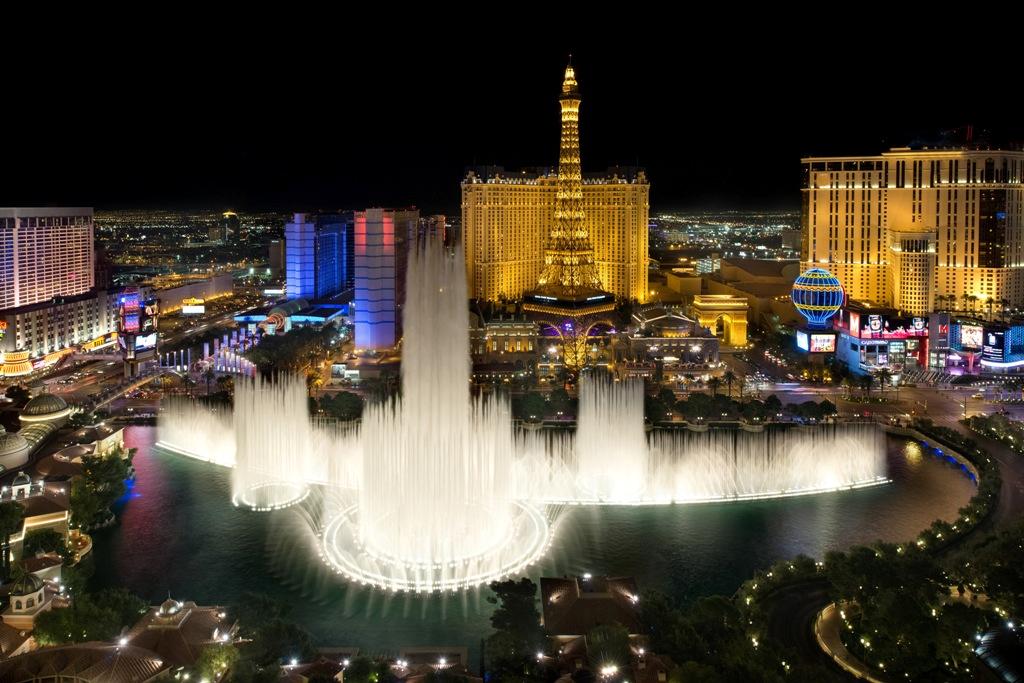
(867, 382)
(11, 514)
(714, 383)
(729, 378)
(884, 377)
(847, 385)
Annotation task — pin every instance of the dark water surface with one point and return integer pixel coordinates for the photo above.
(179, 532)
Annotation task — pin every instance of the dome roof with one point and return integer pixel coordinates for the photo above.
(11, 443)
(27, 585)
(169, 606)
(44, 404)
(22, 479)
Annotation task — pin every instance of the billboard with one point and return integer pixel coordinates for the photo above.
(993, 348)
(802, 340)
(145, 342)
(193, 309)
(823, 343)
(970, 336)
(101, 341)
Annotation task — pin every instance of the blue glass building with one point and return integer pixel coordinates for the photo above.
(319, 255)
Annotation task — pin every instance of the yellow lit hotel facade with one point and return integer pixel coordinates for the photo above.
(919, 229)
(507, 219)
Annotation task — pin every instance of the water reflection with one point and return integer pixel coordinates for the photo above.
(179, 533)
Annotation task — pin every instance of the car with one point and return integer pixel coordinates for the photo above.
(978, 395)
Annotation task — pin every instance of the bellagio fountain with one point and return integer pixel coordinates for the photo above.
(439, 490)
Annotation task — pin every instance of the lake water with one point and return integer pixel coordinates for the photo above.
(179, 532)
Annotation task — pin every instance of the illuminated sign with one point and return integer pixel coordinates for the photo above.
(855, 322)
(100, 342)
(129, 312)
(970, 336)
(875, 323)
(145, 342)
(919, 323)
(3, 329)
(802, 341)
(277, 291)
(197, 309)
(823, 343)
(993, 348)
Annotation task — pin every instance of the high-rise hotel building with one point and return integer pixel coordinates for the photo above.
(44, 253)
(918, 228)
(382, 239)
(320, 255)
(47, 300)
(507, 217)
(507, 222)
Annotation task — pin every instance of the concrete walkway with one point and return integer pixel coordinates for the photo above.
(826, 630)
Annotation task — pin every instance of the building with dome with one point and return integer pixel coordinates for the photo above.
(45, 408)
(177, 631)
(27, 598)
(14, 450)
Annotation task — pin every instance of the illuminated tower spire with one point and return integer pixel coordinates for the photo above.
(569, 258)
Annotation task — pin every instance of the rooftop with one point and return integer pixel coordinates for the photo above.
(177, 631)
(84, 663)
(573, 606)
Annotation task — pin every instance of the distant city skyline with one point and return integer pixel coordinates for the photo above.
(402, 130)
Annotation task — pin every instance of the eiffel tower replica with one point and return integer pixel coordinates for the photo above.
(569, 294)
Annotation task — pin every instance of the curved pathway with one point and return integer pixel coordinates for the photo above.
(827, 627)
(794, 612)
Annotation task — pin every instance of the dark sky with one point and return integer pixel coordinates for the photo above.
(298, 121)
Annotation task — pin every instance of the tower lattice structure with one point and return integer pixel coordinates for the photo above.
(569, 295)
(569, 267)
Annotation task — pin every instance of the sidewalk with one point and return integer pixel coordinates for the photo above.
(826, 630)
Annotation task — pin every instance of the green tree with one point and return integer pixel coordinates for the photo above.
(17, 393)
(125, 605)
(560, 403)
(516, 621)
(101, 484)
(343, 405)
(275, 640)
(729, 377)
(100, 617)
(11, 514)
(530, 406)
(884, 376)
(714, 384)
(215, 659)
(45, 541)
(667, 396)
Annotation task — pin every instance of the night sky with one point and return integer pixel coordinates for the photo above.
(301, 123)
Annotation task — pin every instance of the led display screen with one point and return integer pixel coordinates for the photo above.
(970, 336)
(823, 343)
